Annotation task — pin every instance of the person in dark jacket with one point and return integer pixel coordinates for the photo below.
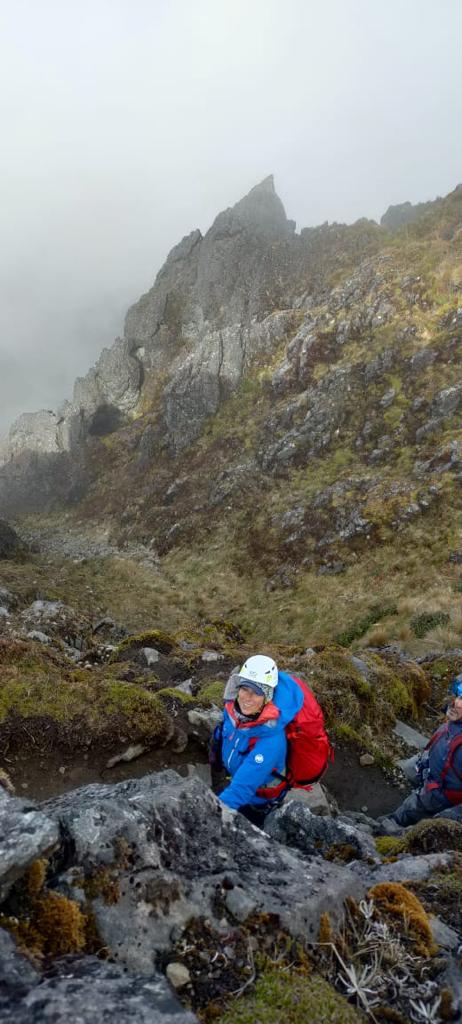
(259, 702)
(436, 773)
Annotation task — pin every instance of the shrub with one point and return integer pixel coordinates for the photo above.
(422, 624)
(359, 628)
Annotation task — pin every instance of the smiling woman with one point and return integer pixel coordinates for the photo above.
(272, 730)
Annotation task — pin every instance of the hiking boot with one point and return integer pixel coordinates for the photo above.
(389, 827)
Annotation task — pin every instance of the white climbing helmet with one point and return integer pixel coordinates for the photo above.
(260, 670)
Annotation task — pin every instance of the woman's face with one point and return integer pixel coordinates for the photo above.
(250, 702)
(454, 712)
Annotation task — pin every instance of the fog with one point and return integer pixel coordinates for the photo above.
(127, 123)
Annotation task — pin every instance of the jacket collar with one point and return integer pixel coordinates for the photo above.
(268, 714)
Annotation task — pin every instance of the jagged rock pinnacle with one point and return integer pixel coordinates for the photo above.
(260, 211)
(266, 185)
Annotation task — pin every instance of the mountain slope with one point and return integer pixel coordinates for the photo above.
(281, 409)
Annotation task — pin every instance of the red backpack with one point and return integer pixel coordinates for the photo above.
(453, 795)
(309, 749)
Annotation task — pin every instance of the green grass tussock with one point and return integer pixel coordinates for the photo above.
(212, 693)
(295, 998)
(426, 621)
(358, 629)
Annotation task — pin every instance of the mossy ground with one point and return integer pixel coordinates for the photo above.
(199, 583)
(295, 998)
(441, 893)
(212, 692)
(432, 835)
(395, 902)
(41, 693)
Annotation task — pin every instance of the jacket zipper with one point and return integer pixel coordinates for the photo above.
(233, 750)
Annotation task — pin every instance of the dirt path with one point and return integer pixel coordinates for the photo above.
(41, 777)
(361, 789)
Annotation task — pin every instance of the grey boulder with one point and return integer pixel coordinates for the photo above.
(296, 826)
(82, 990)
(25, 835)
(183, 848)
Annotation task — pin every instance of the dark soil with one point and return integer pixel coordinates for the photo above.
(361, 789)
(42, 777)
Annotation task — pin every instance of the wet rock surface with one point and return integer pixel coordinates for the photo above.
(25, 835)
(296, 826)
(83, 989)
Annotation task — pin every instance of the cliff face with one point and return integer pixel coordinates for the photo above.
(209, 314)
(319, 371)
(191, 326)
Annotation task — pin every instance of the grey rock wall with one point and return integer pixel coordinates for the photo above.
(199, 326)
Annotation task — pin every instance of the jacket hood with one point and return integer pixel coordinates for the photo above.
(288, 697)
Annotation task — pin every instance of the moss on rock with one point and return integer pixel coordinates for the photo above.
(389, 846)
(212, 692)
(158, 638)
(354, 702)
(49, 924)
(173, 693)
(433, 835)
(394, 901)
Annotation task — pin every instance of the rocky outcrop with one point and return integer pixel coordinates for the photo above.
(147, 861)
(82, 989)
(184, 843)
(100, 400)
(10, 544)
(170, 853)
(225, 279)
(403, 213)
(198, 329)
(25, 835)
(36, 431)
(214, 369)
(324, 345)
(222, 278)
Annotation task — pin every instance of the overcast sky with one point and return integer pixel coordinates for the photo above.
(127, 123)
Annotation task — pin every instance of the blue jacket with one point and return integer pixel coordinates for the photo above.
(252, 767)
(437, 757)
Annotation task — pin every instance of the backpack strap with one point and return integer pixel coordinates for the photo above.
(436, 736)
(450, 766)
